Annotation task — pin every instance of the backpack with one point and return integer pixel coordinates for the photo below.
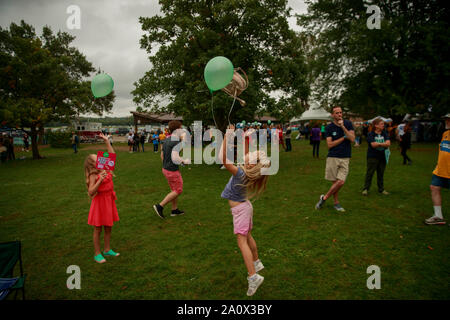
(76, 139)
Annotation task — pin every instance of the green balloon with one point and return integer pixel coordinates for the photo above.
(268, 121)
(243, 122)
(101, 85)
(218, 73)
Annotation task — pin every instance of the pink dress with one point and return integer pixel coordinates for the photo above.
(103, 211)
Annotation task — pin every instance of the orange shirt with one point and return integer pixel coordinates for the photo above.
(443, 165)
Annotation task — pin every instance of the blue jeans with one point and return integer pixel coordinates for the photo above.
(74, 146)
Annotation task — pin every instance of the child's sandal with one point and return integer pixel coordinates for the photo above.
(99, 258)
(111, 253)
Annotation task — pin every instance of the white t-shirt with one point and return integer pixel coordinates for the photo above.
(401, 129)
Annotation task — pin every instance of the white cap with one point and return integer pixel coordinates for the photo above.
(446, 116)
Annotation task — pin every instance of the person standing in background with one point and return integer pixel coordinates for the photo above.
(315, 140)
(136, 142)
(130, 142)
(8, 142)
(340, 134)
(441, 176)
(288, 139)
(405, 143)
(378, 141)
(322, 131)
(358, 134)
(26, 144)
(142, 139)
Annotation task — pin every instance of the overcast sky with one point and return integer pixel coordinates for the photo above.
(109, 35)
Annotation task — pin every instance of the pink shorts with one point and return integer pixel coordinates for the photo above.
(242, 218)
(174, 179)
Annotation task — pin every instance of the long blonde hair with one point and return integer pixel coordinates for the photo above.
(254, 182)
(90, 169)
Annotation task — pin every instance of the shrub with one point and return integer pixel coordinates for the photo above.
(60, 139)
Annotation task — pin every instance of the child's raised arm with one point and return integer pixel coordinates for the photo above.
(223, 155)
(108, 145)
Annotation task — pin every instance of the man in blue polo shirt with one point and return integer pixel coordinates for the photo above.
(340, 134)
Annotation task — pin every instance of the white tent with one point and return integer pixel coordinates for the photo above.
(315, 112)
(382, 118)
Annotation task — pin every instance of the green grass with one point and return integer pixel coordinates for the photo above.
(308, 254)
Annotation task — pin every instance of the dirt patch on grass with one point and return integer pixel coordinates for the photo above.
(117, 147)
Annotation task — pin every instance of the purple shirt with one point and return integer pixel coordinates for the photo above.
(315, 134)
(233, 190)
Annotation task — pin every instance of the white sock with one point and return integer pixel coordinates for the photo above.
(438, 211)
(253, 277)
(254, 262)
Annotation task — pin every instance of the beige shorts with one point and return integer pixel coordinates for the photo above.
(336, 169)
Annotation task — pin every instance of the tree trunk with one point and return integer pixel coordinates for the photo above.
(34, 143)
(41, 134)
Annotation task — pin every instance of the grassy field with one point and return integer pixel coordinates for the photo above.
(307, 254)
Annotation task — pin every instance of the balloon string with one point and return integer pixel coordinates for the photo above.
(212, 110)
(229, 113)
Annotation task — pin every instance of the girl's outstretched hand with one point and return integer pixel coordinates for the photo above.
(102, 136)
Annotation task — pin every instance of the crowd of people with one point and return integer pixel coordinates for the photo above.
(340, 134)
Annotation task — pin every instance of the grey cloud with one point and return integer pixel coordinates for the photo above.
(109, 35)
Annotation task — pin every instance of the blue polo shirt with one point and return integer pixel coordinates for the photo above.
(344, 149)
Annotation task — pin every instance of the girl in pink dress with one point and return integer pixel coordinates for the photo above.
(103, 211)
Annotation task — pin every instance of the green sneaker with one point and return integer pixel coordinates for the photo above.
(99, 258)
(111, 253)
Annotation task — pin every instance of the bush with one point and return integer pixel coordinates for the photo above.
(60, 139)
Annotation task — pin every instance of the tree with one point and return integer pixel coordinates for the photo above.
(253, 34)
(43, 80)
(402, 67)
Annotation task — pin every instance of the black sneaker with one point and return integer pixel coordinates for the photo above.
(159, 210)
(321, 202)
(177, 212)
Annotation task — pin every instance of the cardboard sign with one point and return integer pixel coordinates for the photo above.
(105, 161)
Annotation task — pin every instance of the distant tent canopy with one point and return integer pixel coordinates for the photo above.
(265, 119)
(382, 118)
(143, 118)
(149, 118)
(315, 112)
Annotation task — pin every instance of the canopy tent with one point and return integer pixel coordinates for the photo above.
(382, 118)
(315, 112)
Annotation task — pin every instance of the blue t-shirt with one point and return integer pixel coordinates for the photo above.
(344, 149)
(155, 138)
(233, 190)
(379, 152)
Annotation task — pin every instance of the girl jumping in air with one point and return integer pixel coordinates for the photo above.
(103, 211)
(246, 182)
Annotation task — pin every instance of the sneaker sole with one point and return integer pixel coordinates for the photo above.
(157, 213)
(174, 215)
(435, 223)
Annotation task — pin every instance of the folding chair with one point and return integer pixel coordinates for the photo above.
(10, 253)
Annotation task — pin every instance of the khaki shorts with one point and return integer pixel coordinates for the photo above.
(336, 169)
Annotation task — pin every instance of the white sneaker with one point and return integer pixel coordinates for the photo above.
(258, 265)
(435, 220)
(222, 167)
(254, 284)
